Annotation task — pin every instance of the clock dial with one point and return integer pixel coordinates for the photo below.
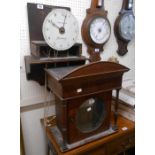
(60, 29)
(127, 26)
(100, 30)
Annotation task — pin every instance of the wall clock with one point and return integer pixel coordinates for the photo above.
(42, 55)
(96, 29)
(60, 29)
(124, 27)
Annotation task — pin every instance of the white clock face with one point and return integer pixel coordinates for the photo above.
(60, 29)
(100, 30)
(127, 26)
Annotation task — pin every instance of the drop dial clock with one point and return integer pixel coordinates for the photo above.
(60, 29)
(96, 29)
(125, 27)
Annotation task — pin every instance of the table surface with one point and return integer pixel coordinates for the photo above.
(125, 127)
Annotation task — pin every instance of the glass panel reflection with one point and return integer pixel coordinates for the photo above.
(90, 115)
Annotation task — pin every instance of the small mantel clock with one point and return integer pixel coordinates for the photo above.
(124, 27)
(96, 29)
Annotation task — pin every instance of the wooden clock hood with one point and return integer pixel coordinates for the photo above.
(104, 68)
(102, 75)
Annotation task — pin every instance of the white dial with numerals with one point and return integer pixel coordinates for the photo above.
(60, 29)
(100, 30)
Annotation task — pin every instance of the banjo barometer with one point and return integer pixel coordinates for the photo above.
(96, 29)
(125, 27)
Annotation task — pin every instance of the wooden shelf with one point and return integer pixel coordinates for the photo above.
(35, 66)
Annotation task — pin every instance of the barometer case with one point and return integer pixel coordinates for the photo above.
(124, 27)
(96, 29)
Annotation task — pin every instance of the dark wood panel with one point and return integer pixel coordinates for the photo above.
(36, 17)
(35, 66)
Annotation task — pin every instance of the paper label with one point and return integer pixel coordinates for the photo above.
(89, 109)
(40, 6)
(97, 50)
(79, 90)
(124, 128)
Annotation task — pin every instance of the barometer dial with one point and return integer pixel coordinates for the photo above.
(100, 30)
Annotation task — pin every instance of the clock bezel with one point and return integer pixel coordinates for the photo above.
(119, 26)
(86, 30)
(90, 22)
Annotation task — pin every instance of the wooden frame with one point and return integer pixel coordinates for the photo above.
(94, 11)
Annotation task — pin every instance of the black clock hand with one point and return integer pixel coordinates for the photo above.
(55, 25)
(64, 21)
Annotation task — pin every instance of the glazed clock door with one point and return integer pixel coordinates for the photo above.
(88, 116)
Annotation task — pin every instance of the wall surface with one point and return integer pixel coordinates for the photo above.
(32, 92)
(33, 132)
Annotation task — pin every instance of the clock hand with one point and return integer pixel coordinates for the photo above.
(61, 29)
(55, 25)
(64, 21)
(103, 23)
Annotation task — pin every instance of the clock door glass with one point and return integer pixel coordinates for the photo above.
(127, 26)
(100, 30)
(90, 115)
(60, 29)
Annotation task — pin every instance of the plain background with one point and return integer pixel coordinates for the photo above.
(10, 70)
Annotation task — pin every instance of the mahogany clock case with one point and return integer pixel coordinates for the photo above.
(73, 133)
(73, 86)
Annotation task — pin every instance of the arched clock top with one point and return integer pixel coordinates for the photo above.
(95, 69)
